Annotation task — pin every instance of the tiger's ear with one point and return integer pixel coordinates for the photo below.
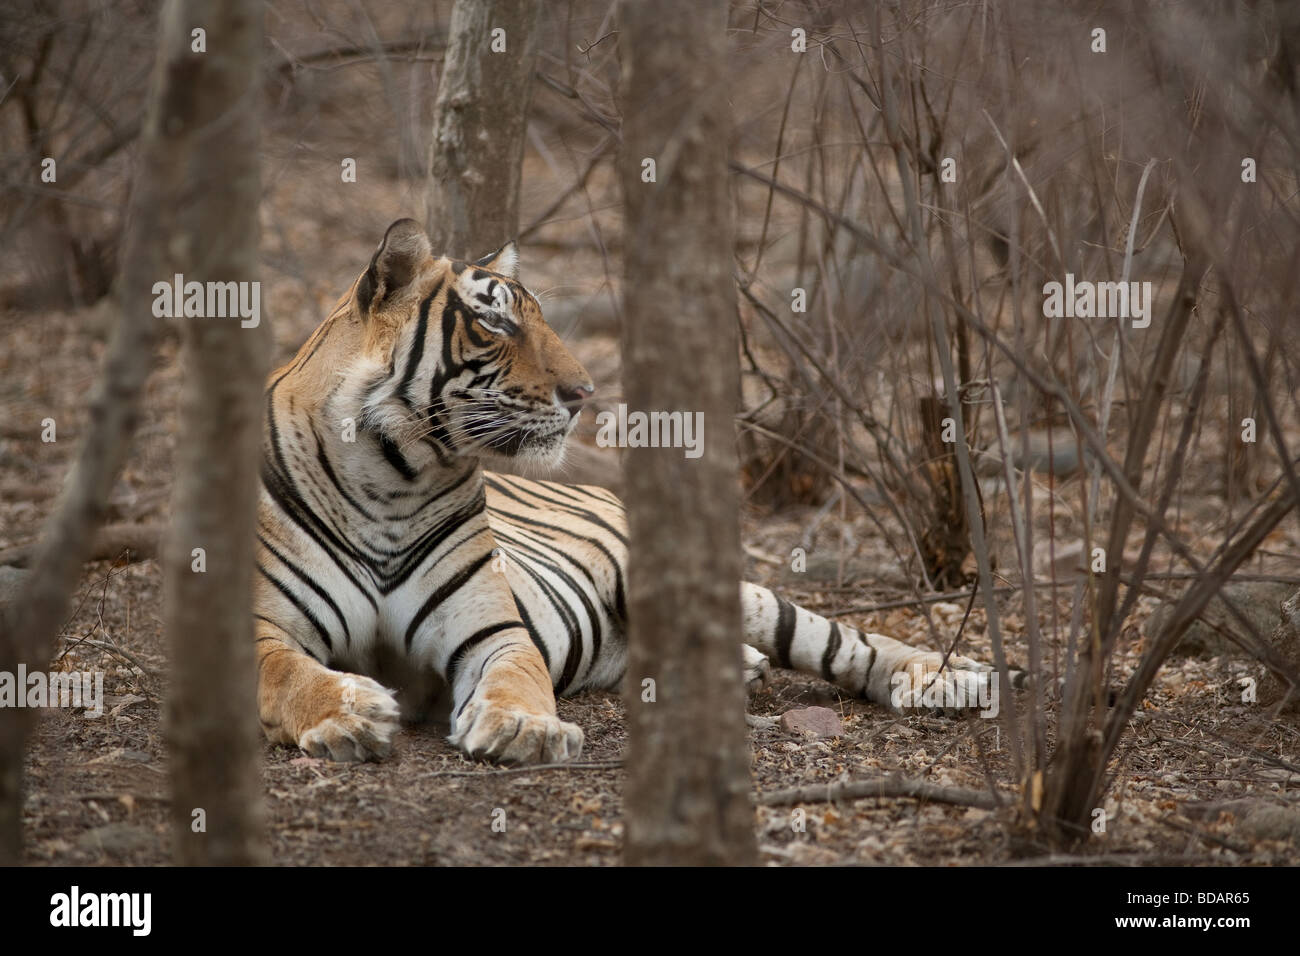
(505, 261)
(395, 263)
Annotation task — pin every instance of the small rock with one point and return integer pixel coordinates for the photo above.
(1285, 640)
(1049, 451)
(1259, 601)
(1272, 823)
(826, 566)
(116, 838)
(812, 721)
(1062, 559)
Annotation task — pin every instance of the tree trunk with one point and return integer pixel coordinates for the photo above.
(479, 119)
(688, 783)
(28, 631)
(212, 728)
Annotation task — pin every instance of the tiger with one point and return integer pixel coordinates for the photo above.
(399, 580)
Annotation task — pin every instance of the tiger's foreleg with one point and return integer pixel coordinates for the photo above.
(344, 717)
(504, 704)
(503, 700)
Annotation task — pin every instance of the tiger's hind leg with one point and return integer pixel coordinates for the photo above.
(328, 713)
(886, 671)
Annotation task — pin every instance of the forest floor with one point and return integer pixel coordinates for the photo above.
(1193, 770)
(1197, 776)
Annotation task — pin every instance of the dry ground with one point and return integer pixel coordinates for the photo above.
(1194, 763)
(98, 787)
(1196, 760)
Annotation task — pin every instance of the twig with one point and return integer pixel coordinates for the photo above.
(116, 652)
(109, 542)
(1207, 837)
(140, 797)
(893, 786)
(502, 771)
(939, 598)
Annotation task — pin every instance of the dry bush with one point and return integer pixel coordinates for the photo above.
(926, 298)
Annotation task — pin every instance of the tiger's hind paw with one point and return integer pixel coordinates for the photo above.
(757, 669)
(961, 687)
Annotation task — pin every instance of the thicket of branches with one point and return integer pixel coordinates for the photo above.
(926, 307)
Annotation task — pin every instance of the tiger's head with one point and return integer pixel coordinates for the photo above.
(459, 359)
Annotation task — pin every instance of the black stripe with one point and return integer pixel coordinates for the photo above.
(620, 598)
(297, 511)
(448, 588)
(832, 648)
(302, 576)
(532, 633)
(561, 491)
(574, 656)
(417, 346)
(495, 483)
(280, 486)
(436, 496)
(784, 630)
(394, 456)
(482, 669)
(596, 493)
(290, 642)
(334, 479)
(467, 645)
(420, 549)
(572, 584)
(316, 341)
(302, 608)
(871, 662)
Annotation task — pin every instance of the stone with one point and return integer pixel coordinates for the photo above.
(812, 722)
(1285, 640)
(1271, 823)
(117, 839)
(1055, 451)
(1259, 601)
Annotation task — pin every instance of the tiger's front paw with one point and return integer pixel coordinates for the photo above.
(490, 732)
(361, 718)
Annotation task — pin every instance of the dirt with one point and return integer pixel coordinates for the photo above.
(97, 787)
(1195, 762)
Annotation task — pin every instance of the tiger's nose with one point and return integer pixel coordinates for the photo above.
(571, 396)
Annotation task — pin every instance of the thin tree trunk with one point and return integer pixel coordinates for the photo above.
(214, 742)
(688, 783)
(28, 631)
(479, 119)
